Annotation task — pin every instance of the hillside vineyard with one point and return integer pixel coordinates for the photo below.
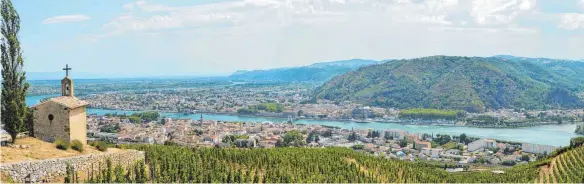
(328, 165)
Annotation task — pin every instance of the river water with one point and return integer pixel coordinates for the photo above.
(554, 135)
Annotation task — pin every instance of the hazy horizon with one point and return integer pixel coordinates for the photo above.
(57, 75)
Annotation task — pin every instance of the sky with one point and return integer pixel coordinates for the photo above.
(124, 38)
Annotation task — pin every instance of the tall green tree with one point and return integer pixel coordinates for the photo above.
(463, 138)
(14, 86)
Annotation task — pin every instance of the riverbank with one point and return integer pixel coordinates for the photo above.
(31, 100)
(398, 121)
(555, 135)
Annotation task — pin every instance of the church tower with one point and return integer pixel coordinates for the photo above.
(61, 118)
(67, 83)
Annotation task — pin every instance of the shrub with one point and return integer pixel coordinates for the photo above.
(559, 151)
(62, 145)
(576, 142)
(357, 147)
(77, 145)
(509, 163)
(92, 143)
(100, 145)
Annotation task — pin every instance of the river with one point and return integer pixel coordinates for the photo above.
(554, 135)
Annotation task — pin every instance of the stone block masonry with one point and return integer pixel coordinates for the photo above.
(48, 169)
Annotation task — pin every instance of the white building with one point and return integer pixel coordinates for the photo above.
(490, 143)
(538, 149)
(481, 144)
(432, 152)
(436, 152)
(427, 151)
(396, 134)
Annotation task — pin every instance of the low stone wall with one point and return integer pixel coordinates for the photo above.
(48, 169)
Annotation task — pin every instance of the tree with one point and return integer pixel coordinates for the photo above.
(309, 139)
(352, 137)
(14, 85)
(462, 138)
(312, 137)
(327, 133)
(293, 138)
(576, 142)
(280, 143)
(300, 113)
(442, 139)
(403, 143)
(507, 150)
(525, 158)
(357, 147)
(135, 119)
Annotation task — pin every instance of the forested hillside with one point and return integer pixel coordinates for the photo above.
(473, 84)
(318, 72)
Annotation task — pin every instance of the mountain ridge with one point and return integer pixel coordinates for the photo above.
(317, 72)
(474, 84)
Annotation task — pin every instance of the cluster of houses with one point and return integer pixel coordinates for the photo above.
(195, 133)
(394, 144)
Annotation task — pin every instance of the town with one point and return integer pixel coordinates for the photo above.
(459, 151)
(284, 100)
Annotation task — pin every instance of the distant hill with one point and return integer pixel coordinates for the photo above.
(318, 72)
(568, 69)
(473, 84)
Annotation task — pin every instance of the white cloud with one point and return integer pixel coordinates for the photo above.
(65, 19)
(145, 16)
(274, 33)
(494, 12)
(572, 21)
(510, 29)
(582, 4)
(273, 12)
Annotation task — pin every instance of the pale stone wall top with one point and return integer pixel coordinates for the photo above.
(48, 169)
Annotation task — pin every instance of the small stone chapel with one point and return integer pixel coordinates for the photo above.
(62, 117)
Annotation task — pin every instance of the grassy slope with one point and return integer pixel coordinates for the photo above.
(39, 150)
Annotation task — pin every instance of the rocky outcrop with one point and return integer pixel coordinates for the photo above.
(48, 169)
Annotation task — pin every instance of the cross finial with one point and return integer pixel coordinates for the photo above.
(67, 69)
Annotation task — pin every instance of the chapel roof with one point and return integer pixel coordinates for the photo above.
(67, 101)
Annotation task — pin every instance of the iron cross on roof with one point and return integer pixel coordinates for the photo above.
(67, 69)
